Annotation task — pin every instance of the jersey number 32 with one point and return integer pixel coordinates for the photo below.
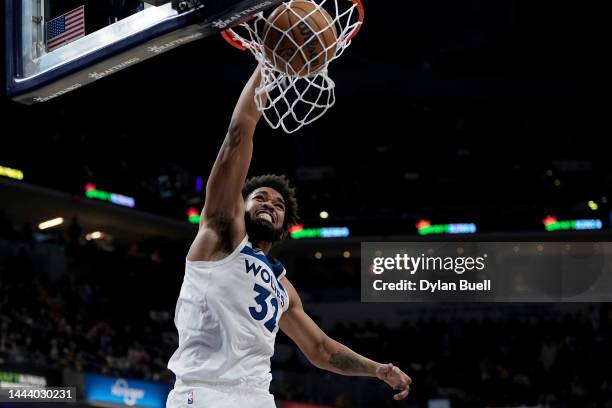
(262, 302)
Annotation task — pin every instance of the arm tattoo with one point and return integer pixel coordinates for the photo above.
(234, 135)
(347, 363)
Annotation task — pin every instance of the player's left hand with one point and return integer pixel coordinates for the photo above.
(396, 378)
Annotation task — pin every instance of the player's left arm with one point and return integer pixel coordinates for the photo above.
(328, 354)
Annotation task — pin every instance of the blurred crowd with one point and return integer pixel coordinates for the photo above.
(526, 358)
(70, 303)
(111, 312)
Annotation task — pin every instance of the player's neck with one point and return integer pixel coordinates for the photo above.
(265, 247)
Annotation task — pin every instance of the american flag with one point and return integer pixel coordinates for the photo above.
(66, 28)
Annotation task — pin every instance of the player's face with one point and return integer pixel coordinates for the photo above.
(266, 206)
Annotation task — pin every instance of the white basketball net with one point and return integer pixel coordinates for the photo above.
(291, 98)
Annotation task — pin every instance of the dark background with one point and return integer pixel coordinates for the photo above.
(452, 111)
(473, 111)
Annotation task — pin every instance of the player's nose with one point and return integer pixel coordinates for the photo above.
(267, 205)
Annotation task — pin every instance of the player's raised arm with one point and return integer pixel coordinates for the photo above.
(223, 190)
(222, 225)
(328, 354)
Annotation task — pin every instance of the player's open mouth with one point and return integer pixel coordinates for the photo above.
(262, 215)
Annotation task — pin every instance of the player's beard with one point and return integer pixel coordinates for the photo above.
(260, 230)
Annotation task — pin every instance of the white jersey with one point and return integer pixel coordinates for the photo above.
(227, 317)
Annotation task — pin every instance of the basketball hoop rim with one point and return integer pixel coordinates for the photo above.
(238, 41)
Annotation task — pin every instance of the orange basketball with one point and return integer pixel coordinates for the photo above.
(299, 38)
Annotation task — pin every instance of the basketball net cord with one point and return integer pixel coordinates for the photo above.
(293, 99)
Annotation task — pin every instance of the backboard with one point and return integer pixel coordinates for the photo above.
(56, 46)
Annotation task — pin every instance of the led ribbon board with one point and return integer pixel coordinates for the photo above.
(299, 232)
(193, 216)
(92, 192)
(11, 173)
(10, 379)
(424, 227)
(552, 224)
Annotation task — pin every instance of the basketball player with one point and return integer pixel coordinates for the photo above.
(234, 296)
